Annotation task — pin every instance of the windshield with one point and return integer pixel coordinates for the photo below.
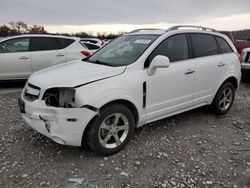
(123, 51)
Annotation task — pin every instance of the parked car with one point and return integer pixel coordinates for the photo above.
(245, 66)
(102, 100)
(240, 45)
(107, 41)
(90, 46)
(20, 56)
(95, 41)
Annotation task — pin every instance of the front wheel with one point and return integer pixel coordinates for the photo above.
(112, 130)
(224, 98)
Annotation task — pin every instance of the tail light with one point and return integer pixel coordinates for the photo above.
(239, 56)
(86, 53)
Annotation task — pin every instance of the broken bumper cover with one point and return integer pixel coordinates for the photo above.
(62, 125)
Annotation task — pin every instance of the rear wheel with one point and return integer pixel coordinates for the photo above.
(224, 98)
(112, 130)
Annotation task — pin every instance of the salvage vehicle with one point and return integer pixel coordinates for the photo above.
(103, 98)
(22, 55)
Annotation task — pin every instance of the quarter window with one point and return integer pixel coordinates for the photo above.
(15, 45)
(204, 45)
(175, 48)
(44, 43)
(63, 43)
(224, 46)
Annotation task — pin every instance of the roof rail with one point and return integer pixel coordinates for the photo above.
(191, 26)
(144, 29)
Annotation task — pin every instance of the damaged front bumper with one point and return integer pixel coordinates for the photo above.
(62, 125)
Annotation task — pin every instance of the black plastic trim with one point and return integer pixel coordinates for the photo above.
(247, 57)
(33, 86)
(144, 94)
(92, 108)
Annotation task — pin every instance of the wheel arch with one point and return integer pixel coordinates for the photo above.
(231, 79)
(131, 106)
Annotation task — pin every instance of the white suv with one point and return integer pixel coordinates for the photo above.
(22, 55)
(101, 100)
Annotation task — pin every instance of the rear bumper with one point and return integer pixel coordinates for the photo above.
(62, 125)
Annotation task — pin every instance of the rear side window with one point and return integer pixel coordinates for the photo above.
(15, 45)
(175, 48)
(204, 45)
(44, 44)
(64, 43)
(91, 46)
(224, 46)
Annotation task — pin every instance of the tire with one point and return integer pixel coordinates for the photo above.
(112, 130)
(224, 99)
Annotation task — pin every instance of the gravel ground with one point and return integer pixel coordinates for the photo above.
(193, 149)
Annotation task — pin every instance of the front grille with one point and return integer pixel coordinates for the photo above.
(31, 92)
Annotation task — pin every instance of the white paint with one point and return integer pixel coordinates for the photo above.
(169, 90)
(20, 65)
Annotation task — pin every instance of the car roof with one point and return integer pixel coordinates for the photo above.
(147, 32)
(175, 30)
(90, 39)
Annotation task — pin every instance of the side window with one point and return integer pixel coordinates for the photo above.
(224, 46)
(15, 45)
(204, 45)
(64, 43)
(91, 46)
(89, 40)
(44, 43)
(175, 48)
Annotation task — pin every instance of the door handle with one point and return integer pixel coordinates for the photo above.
(60, 55)
(24, 57)
(189, 71)
(221, 64)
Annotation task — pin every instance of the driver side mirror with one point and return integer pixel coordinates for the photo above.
(159, 61)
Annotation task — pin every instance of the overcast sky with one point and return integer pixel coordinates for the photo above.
(124, 15)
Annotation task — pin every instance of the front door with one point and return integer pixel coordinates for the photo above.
(170, 89)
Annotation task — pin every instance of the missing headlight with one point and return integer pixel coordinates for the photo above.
(60, 97)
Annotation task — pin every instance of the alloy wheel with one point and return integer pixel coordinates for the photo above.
(226, 99)
(113, 130)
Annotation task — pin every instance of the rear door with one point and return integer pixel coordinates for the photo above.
(15, 59)
(209, 65)
(46, 52)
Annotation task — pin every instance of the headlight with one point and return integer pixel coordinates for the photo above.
(60, 97)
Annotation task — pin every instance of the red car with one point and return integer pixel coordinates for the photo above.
(240, 45)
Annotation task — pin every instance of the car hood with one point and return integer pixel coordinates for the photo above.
(73, 74)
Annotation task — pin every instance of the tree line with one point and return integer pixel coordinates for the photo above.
(18, 28)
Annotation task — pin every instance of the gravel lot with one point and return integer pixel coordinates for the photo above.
(193, 149)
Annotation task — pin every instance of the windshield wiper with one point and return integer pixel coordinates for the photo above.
(102, 63)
